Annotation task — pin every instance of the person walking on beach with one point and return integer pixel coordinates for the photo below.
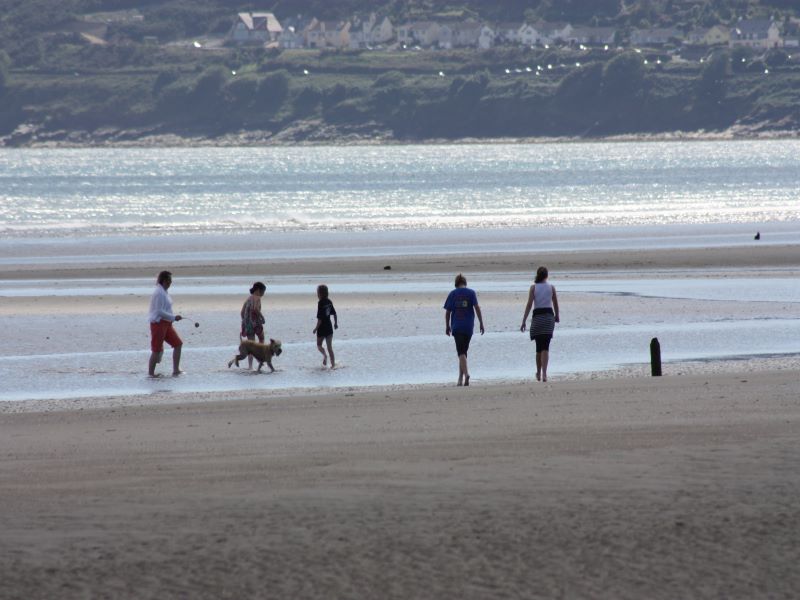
(252, 318)
(324, 328)
(461, 306)
(544, 301)
(161, 330)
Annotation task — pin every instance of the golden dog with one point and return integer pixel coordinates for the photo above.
(263, 353)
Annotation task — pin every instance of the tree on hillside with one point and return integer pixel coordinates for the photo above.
(623, 77)
(713, 83)
(739, 58)
(710, 91)
(578, 10)
(5, 65)
(272, 91)
(580, 88)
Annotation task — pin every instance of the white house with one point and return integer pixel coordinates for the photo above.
(591, 36)
(712, 36)
(445, 36)
(656, 36)
(507, 33)
(465, 35)
(382, 31)
(260, 27)
(486, 37)
(423, 33)
(469, 34)
(371, 32)
(550, 33)
(328, 34)
(528, 35)
(756, 33)
(291, 39)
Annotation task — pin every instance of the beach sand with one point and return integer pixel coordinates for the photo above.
(684, 486)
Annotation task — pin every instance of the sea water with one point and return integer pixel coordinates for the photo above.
(155, 207)
(68, 192)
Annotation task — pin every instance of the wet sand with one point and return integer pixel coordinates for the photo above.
(623, 487)
(742, 257)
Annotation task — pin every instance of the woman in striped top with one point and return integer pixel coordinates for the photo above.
(252, 317)
(544, 301)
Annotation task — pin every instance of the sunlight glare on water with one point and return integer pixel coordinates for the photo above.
(106, 191)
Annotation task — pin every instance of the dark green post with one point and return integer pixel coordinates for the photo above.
(655, 357)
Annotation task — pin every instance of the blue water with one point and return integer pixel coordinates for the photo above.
(154, 207)
(103, 191)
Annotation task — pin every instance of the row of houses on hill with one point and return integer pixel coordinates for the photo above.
(371, 32)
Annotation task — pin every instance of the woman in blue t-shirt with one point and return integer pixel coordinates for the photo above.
(462, 306)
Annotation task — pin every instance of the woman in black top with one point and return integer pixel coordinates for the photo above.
(324, 328)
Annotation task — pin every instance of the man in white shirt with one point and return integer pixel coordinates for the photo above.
(161, 330)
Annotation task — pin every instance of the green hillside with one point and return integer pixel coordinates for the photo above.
(57, 86)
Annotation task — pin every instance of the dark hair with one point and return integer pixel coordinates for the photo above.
(258, 286)
(460, 280)
(322, 290)
(541, 275)
(163, 276)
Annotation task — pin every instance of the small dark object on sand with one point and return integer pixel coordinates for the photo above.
(197, 324)
(387, 268)
(758, 235)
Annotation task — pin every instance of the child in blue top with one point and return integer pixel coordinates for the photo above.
(461, 306)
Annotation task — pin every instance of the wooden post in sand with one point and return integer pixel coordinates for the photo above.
(655, 358)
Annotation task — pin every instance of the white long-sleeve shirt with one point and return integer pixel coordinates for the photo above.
(160, 305)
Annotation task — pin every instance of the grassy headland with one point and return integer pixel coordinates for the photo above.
(57, 87)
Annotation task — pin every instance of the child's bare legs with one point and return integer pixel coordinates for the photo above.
(329, 343)
(463, 370)
(322, 351)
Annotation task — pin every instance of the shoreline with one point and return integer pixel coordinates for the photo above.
(267, 139)
(85, 337)
(745, 256)
(633, 374)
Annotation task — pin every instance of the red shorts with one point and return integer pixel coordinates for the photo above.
(163, 332)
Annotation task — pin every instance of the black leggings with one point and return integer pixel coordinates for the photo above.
(543, 342)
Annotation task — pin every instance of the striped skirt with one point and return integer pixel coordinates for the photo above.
(543, 322)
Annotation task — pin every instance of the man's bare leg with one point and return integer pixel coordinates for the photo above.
(155, 358)
(176, 360)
